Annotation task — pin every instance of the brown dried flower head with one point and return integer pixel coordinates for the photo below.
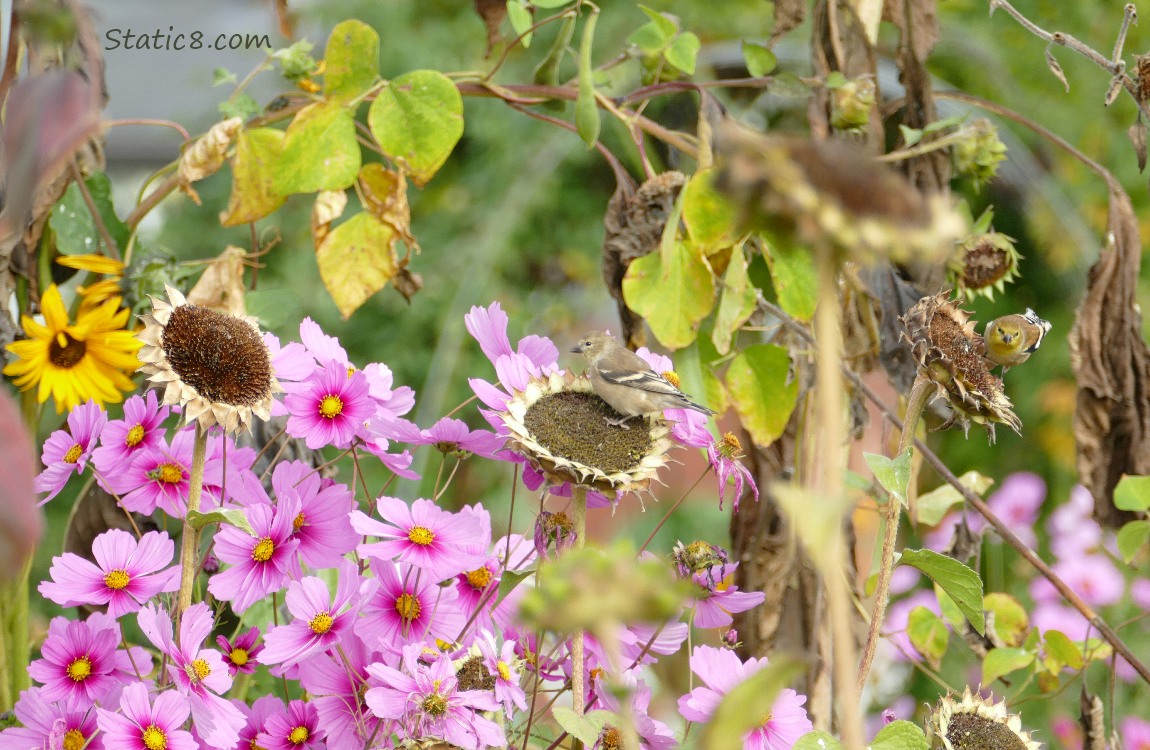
(984, 264)
(215, 366)
(976, 723)
(952, 355)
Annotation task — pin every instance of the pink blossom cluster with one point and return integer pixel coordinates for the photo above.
(324, 622)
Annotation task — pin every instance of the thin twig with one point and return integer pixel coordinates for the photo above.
(97, 220)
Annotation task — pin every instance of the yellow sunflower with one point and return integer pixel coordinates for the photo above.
(95, 294)
(74, 362)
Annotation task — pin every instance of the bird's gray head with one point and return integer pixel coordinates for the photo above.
(591, 344)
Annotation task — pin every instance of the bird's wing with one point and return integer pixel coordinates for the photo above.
(647, 380)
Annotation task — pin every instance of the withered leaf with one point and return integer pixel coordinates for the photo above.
(1056, 69)
(788, 15)
(1137, 135)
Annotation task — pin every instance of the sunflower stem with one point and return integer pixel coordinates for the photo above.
(578, 691)
(914, 408)
(190, 539)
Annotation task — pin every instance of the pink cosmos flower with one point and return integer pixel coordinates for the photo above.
(46, 723)
(502, 665)
(256, 717)
(440, 543)
(200, 674)
(292, 364)
(1073, 530)
(323, 527)
(719, 598)
(406, 607)
(335, 682)
(140, 725)
(720, 670)
(332, 409)
(1092, 576)
(427, 703)
(321, 620)
(158, 477)
(477, 587)
(1057, 616)
(78, 661)
(688, 427)
(534, 356)
(127, 573)
(724, 456)
(1140, 592)
(1017, 502)
(296, 729)
(141, 427)
(897, 618)
(240, 654)
(389, 401)
(66, 452)
(262, 563)
(653, 734)
(448, 436)
(228, 474)
(1135, 733)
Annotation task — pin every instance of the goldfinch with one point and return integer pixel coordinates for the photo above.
(626, 382)
(1011, 339)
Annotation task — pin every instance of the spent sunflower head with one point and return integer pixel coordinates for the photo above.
(976, 723)
(215, 366)
(75, 362)
(983, 264)
(561, 427)
(951, 355)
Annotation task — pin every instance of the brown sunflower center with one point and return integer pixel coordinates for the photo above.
(960, 347)
(574, 425)
(472, 675)
(65, 351)
(219, 355)
(984, 264)
(974, 732)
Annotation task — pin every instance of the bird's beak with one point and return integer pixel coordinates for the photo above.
(575, 349)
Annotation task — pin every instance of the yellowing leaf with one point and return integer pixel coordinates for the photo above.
(319, 150)
(417, 120)
(254, 190)
(673, 290)
(793, 274)
(757, 382)
(384, 196)
(356, 260)
(736, 303)
(710, 218)
(1003, 661)
(928, 634)
(351, 61)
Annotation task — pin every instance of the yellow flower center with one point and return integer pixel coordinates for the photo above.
(731, 447)
(480, 578)
(154, 738)
(168, 473)
(766, 719)
(671, 377)
(66, 352)
(331, 407)
(321, 623)
(421, 535)
(239, 656)
(298, 736)
(435, 704)
(73, 454)
(135, 436)
(263, 550)
(80, 669)
(298, 522)
(198, 670)
(503, 669)
(74, 739)
(407, 606)
(117, 579)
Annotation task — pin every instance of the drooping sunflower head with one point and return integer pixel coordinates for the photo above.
(951, 354)
(984, 263)
(214, 365)
(560, 426)
(976, 723)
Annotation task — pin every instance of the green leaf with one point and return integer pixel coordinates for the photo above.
(709, 216)
(1132, 493)
(233, 517)
(928, 634)
(759, 58)
(417, 120)
(240, 105)
(892, 473)
(1011, 622)
(295, 61)
(255, 192)
(736, 302)
(835, 80)
(72, 221)
(789, 85)
(1061, 652)
(319, 151)
(667, 23)
(683, 52)
(586, 728)
(960, 582)
(933, 506)
(950, 611)
(817, 740)
(587, 120)
(356, 260)
(649, 38)
(757, 380)
(900, 735)
(551, 3)
(1003, 661)
(910, 136)
(351, 61)
(794, 278)
(1132, 538)
(744, 706)
(673, 293)
(521, 20)
(508, 580)
(944, 123)
(220, 76)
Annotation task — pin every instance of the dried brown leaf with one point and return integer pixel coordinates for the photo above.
(788, 15)
(221, 287)
(492, 12)
(1111, 363)
(1137, 135)
(1056, 69)
(407, 283)
(1091, 719)
(917, 22)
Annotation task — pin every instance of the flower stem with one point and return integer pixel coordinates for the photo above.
(914, 407)
(190, 539)
(578, 690)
